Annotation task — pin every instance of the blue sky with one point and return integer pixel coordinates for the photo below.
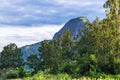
(30, 21)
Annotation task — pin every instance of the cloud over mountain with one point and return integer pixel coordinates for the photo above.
(35, 12)
(26, 35)
(29, 21)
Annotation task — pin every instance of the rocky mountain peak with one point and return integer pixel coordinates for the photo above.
(73, 25)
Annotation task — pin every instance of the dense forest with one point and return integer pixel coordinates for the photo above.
(94, 52)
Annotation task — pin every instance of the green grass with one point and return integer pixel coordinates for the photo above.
(42, 76)
(63, 76)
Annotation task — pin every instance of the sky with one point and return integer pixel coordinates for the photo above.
(26, 22)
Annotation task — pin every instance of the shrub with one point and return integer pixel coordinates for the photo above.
(21, 72)
(2, 74)
(63, 77)
(12, 74)
(42, 76)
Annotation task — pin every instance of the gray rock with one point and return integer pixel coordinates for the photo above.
(73, 25)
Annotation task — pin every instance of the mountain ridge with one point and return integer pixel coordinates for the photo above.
(72, 25)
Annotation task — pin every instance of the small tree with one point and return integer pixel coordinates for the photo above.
(11, 57)
(34, 62)
(55, 54)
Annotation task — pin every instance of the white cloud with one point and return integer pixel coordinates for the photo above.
(77, 3)
(22, 12)
(26, 35)
(19, 15)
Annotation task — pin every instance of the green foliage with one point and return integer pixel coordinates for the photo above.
(50, 57)
(95, 50)
(3, 74)
(113, 7)
(12, 74)
(63, 77)
(99, 48)
(69, 68)
(21, 72)
(42, 76)
(34, 62)
(55, 53)
(11, 57)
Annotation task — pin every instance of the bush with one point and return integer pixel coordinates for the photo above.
(42, 76)
(63, 77)
(2, 74)
(38, 76)
(21, 72)
(12, 74)
(16, 73)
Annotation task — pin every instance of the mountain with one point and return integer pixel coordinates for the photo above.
(73, 25)
(30, 49)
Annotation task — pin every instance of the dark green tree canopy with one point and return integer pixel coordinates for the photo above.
(11, 57)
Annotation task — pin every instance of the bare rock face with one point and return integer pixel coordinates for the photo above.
(73, 25)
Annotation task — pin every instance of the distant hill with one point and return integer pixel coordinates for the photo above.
(30, 49)
(72, 25)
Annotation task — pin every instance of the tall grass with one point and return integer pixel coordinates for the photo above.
(42, 76)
